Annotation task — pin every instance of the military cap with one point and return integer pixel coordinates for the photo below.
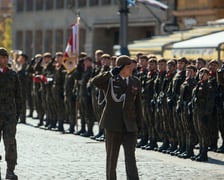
(114, 57)
(123, 60)
(47, 54)
(106, 56)
(59, 54)
(162, 60)
(204, 70)
(182, 59)
(144, 57)
(152, 56)
(82, 54)
(172, 62)
(201, 60)
(38, 56)
(213, 62)
(192, 67)
(3, 52)
(133, 60)
(88, 58)
(99, 51)
(24, 56)
(152, 60)
(139, 54)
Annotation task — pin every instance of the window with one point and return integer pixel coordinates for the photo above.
(49, 4)
(29, 5)
(81, 3)
(59, 40)
(28, 43)
(38, 41)
(19, 5)
(19, 40)
(39, 5)
(106, 2)
(59, 4)
(93, 2)
(70, 4)
(48, 43)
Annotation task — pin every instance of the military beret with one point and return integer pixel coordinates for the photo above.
(204, 70)
(182, 59)
(106, 56)
(192, 67)
(3, 52)
(59, 54)
(47, 54)
(123, 60)
(99, 51)
(213, 62)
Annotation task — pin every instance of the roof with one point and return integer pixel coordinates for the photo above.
(208, 41)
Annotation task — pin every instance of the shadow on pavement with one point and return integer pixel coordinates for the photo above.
(215, 161)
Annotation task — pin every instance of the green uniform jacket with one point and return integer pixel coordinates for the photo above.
(124, 116)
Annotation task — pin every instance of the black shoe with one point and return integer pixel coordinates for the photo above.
(80, 132)
(220, 149)
(22, 122)
(40, 124)
(101, 138)
(11, 175)
(87, 134)
(202, 158)
(96, 136)
(141, 143)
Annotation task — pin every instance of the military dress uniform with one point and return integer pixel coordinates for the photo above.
(121, 118)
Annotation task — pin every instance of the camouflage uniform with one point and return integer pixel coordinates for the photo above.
(186, 116)
(10, 104)
(58, 94)
(203, 103)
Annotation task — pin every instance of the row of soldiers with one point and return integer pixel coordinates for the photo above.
(182, 101)
(182, 106)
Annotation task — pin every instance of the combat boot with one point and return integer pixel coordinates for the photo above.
(164, 146)
(203, 156)
(193, 158)
(10, 173)
(188, 154)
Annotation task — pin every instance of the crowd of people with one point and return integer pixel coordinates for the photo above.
(182, 100)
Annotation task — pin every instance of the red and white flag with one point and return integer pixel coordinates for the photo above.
(153, 3)
(72, 48)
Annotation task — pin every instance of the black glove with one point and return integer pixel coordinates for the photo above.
(116, 70)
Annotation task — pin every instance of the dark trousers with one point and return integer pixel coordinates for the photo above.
(113, 142)
(8, 124)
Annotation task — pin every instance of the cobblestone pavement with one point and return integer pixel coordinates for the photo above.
(44, 154)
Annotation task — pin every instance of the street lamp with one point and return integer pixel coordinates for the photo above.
(124, 27)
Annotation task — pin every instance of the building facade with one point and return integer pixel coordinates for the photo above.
(44, 25)
(190, 12)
